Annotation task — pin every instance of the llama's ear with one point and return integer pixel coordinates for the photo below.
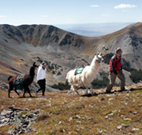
(100, 54)
(34, 64)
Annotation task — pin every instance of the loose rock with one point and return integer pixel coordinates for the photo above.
(14, 116)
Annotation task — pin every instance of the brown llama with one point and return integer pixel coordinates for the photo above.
(26, 81)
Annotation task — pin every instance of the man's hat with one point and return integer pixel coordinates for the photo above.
(43, 63)
(117, 50)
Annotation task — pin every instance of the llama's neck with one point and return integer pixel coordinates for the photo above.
(94, 64)
(94, 67)
(32, 72)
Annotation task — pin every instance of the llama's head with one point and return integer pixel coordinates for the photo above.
(99, 58)
(34, 65)
(32, 69)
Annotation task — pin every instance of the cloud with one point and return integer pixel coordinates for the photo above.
(125, 6)
(94, 5)
(105, 14)
(44, 16)
(1, 16)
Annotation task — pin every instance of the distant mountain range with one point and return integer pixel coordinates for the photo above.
(22, 45)
(94, 29)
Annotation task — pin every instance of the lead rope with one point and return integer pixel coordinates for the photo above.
(105, 74)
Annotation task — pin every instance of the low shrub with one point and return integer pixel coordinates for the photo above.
(61, 86)
(42, 117)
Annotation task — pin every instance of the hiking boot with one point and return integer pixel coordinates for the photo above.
(107, 91)
(36, 94)
(122, 90)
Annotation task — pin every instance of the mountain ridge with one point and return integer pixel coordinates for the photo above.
(22, 45)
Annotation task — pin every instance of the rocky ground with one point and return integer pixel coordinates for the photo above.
(20, 118)
(69, 114)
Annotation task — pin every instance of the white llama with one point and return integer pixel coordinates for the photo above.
(86, 77)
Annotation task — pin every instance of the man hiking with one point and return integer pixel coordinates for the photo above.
(115, 70)
(41, 78)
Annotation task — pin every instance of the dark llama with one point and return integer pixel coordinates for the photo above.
(22, 82)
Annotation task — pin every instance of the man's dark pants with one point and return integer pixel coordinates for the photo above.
(42, 86)
(112, 78)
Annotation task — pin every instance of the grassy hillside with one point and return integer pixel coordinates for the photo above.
(63, 114)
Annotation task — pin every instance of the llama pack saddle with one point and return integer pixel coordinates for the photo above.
(18, 83)
(79, 71)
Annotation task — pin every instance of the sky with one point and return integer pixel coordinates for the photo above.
(52, 12)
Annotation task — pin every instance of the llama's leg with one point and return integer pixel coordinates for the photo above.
(92, 91)
(16, 92)
(24, 92)
(10, 88)
(29, 92)
(74, 89)
(87, 91)
(77, 92)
